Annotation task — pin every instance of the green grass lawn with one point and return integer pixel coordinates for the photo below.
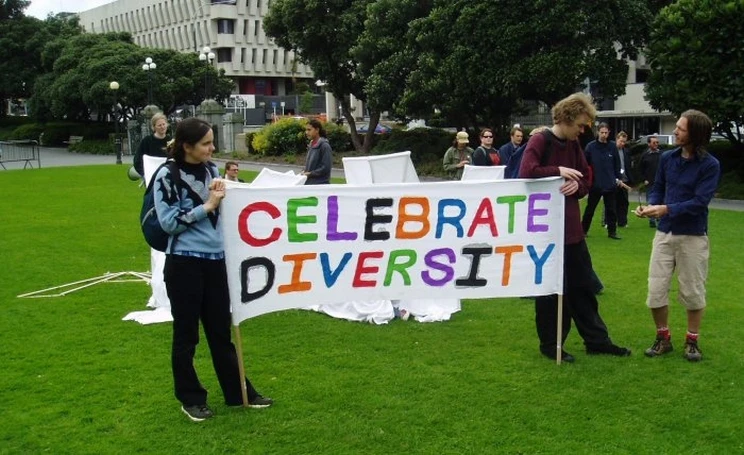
(77, 379)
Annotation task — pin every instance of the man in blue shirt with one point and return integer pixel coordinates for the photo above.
(602, 157)
(685, 183)
(505, 151)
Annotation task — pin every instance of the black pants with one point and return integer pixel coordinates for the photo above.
(197, 289)
(622, 204)
(610, 210)
(579, 304)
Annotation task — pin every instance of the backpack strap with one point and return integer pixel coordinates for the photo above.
(548, 151)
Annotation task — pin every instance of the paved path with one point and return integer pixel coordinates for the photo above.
(55, 157)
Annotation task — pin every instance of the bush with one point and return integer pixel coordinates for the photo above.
(56, 133)
(14, 121)
(93, 147)
(729, 157)
(30, 131)
(338, 137)
(427, 145)
(285, 137)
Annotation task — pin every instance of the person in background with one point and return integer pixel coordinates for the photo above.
(195, 271)
(647, 167)
(515, 140)
(457, 156)
(153, 145)
(602, 157)
(231, 172)
(626, 179)
(319, 155)
(485, 154)
(566, 159)
(685, 183)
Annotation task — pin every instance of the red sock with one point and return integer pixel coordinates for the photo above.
(663, 333)
(692, 337)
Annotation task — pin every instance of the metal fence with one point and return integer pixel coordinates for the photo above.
(20, 151)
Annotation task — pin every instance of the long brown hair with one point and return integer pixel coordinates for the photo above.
(699, 129)
(189, 131)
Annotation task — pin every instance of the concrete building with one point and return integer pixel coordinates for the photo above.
(231, 28)
(631, 112)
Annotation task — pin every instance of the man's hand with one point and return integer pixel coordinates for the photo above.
(569, 188)
(651, 211)
(570, 174)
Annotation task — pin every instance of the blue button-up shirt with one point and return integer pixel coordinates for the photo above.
(686, 187)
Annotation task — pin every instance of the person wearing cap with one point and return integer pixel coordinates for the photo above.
(457, 156)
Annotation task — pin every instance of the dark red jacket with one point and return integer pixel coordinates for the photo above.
(567, 154)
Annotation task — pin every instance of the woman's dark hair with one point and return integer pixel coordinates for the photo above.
(699, 129)
(189, 131)
(315, 123)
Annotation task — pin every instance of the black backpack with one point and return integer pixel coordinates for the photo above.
(154, 234)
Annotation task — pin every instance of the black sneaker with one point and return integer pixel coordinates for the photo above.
(609, 349)
(613, 236)
(565, 356)
(197, 413)
(260, 402)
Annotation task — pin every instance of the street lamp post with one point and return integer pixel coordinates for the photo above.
(149, 67)
(206, 55)
(114, 86)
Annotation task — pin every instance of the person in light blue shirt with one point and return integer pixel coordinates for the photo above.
(685, 183)
(188, 209)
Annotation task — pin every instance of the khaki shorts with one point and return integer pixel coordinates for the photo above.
(688, 254)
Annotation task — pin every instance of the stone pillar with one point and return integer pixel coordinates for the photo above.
(331, 107)
(211, 111)
(233, 127)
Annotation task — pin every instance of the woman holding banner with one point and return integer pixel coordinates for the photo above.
(195, 273)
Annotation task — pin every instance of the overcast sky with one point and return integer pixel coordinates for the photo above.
(41, 8)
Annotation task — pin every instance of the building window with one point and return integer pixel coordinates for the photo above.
(224, 54)
(263, 59)
(276, 51)
(257, 25)
(253, 56)
(260, 87)
(226, 26)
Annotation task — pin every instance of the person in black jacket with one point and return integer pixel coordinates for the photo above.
(485, 154)
(647, 166)
(602, 157)
(319, 155)
(626, 179)
(155, 145)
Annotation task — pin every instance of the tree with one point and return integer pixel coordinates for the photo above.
(12, 9)
(477, 59)
(322, 34)
(81, 69)
(21, 42)
(696, 55)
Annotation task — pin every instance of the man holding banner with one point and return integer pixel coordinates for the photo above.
(558, 152)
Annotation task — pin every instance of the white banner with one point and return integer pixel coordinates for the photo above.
(296, 246)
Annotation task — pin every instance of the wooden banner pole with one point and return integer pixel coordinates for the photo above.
(559, 336)
(241, 366)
